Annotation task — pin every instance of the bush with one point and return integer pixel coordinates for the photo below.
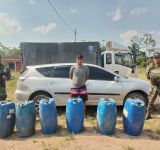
(144, 64)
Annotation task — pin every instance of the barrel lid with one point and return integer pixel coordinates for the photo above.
(74, 100)
(109, 101)
(5, 102)
(137, 102)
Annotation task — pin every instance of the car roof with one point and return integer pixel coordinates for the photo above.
(69, 64)
(59, 64)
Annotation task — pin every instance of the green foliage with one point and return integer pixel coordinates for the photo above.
(7, 51)
(147, 43)
(103, 45)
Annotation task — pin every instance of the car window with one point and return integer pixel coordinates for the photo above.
(99, 74)
(45, 71)
(108, 58)
(61, 72)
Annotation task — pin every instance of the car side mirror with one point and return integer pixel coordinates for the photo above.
(116, 79)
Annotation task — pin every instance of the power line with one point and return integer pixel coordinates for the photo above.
(61, 17)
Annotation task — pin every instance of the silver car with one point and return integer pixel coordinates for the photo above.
(52, 80)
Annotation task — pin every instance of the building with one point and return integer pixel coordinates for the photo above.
(13, 61)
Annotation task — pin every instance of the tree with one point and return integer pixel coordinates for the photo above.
(6, 51)
(103, 45)
(134, 49)
(149, 44)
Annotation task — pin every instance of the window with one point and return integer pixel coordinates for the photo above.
(11, 66)
(102, 58)
(45, 71)
(124, 59)
(61, 72)
(108, 58)
(99, 74)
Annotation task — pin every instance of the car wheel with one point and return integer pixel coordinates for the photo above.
(136, 95)
(36, 100)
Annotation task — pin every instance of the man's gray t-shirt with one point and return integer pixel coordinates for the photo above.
(79, 75)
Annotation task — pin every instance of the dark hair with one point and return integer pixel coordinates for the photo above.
(79, 56)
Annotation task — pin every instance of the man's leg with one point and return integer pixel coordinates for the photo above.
(84, 96)
(3, 94)
(151, 98)
(84, 107)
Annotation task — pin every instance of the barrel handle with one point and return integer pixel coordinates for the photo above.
(139, 103)
(2, 103)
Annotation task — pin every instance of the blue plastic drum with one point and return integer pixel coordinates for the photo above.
(7, 118)
(48, 116)
(134, 116)
(106, 116)
(74, 115)
(25, 118)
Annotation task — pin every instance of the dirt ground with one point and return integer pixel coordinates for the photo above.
(90, 138)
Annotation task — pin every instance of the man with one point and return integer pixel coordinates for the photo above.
(153, 74)
(79, 75)
(3, 94)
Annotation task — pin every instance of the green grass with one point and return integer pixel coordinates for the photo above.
(35, 141)
(69, 137)
(142, 74)
(11, 86)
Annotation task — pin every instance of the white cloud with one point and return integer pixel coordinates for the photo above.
(31, 1)
(126, 37)
(73, 10)
(116, 15)
(152, 32)
(138, 11)
(8, 25)
(45, 29)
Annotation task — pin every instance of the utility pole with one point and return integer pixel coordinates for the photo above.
(75, 35)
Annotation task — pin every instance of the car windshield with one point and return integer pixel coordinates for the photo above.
(124, 59)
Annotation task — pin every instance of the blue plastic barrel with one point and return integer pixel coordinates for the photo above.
(134, 116)
(106, 116)
(25, 118)
(48, 116)
(74, 115)
(7, 118)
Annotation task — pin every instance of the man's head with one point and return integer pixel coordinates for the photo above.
(79, 60)
(156, 59)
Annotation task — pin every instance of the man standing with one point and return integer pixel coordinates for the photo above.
(153, 74)
(3, 94)
(79, 75)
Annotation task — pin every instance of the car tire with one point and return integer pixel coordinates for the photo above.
(136, 95)
(36, 100)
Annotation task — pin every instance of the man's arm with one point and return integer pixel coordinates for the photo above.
(87, 77)
(71, 73)
(87, 74)
(71, 76)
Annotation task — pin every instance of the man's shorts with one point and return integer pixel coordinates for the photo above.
(81, 92)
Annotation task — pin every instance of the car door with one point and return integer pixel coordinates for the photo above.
(101, 84)
(60, 83)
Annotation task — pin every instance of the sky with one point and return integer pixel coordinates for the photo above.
(94, 20)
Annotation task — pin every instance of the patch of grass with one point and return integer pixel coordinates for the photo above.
(153, 137)
(44, 146)
(59, 127)
(127, 147)
(149, 125)
(11, 86)
(69, 137)
(35, 141)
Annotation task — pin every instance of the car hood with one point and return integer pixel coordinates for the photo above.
(130, 79)
(136, 84)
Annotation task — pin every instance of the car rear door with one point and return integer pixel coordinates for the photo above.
(101, 84)
(60, 84)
